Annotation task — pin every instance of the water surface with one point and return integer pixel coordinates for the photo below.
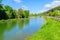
(20, 29)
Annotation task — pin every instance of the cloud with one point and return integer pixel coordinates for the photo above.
(18, 1)
(50, 5)
(42, 11)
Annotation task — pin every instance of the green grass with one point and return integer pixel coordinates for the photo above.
(49, 31)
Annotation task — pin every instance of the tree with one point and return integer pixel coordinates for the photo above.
(1, 5)
(26, 13)
(3, 14)
(14, 14)
(9, 10)
(20, 13)
(50, 13)
(55, 13)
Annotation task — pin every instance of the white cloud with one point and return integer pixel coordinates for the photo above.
(18, 1)
(48, 6)
(44, 10)
(52, 4)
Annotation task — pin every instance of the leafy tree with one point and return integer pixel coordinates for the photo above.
(1, 5)
(14, 14)
(50, 13)
(26, 13)
(55, 13)
(3, 14)
(9, 10)
(20, 13)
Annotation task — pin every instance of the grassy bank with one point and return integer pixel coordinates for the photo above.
(49, 31)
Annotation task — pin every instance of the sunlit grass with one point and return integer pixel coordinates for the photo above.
(49, 31)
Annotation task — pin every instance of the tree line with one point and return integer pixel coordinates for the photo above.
(55, 11)
(7, 12)
(52, 12)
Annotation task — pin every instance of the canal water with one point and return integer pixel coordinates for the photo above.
(20, 29)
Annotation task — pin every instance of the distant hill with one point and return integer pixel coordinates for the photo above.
(53, 12)
(53, 9)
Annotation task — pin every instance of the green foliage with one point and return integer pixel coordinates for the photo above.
(8, 8)
(20, 13)
(7, 12)
(10, 12)
(3, 14)
(23, 13)
(53, 12)
(50, 14)
(14, 14)
(1, 7)
(26, 13)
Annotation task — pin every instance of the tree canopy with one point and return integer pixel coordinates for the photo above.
(7, 12)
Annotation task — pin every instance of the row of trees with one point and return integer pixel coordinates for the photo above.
(54, 12)
(7, 12)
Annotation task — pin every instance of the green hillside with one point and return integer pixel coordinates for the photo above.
(53, 12)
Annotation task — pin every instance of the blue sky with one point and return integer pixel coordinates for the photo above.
(35, 6)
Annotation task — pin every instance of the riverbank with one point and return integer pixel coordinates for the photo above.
(13, 19)
(55, 18)
(49, 31)
(18, 19)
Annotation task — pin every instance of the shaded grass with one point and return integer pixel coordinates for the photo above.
(49, 31)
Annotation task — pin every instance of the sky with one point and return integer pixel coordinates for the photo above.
(34, 6)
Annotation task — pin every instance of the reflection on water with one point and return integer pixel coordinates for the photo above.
(19, 29)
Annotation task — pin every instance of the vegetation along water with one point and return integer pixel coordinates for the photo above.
(25, 24)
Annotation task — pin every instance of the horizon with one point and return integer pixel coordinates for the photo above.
(34, 6)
